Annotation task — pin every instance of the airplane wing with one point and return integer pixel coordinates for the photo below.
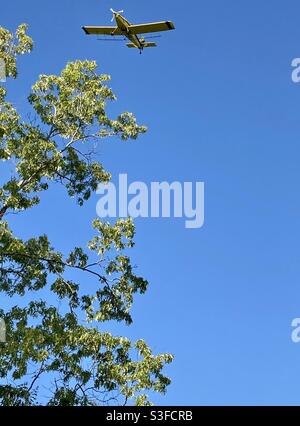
(102, 30)
(152, 28)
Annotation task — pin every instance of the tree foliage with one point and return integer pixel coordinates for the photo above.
(57, 351)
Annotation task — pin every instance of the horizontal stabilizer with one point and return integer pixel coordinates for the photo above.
(131, 45)
(149, 45)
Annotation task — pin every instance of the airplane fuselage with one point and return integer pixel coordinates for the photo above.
(123, 26)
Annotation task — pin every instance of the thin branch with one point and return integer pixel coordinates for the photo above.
(61, 263)
(37, 376)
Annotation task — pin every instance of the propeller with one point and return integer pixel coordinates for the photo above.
(115, 13)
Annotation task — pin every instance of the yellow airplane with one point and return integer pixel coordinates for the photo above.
(126, 29)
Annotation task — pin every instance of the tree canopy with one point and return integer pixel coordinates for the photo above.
(57, 341)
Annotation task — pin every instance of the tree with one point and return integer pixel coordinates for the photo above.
(65, 348)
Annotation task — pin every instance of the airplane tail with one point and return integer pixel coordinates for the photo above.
(131, 45)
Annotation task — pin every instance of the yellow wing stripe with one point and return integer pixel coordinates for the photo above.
(102, 30)
(152, 28)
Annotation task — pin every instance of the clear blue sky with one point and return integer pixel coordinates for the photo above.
(221, 107)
